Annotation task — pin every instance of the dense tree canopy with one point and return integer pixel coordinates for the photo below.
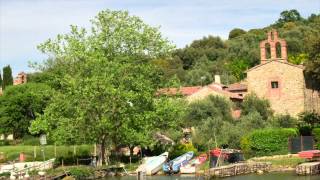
(289, 16)
(107, 84)
(20, 105)
(236, 32)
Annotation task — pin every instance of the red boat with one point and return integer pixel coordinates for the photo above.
(312, 154)
(194, 164)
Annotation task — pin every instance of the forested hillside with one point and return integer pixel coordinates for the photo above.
(198, 62)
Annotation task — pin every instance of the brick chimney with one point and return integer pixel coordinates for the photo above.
(217, 79)
(270, 46)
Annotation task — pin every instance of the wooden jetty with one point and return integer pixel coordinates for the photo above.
(309, 168)
(239, 168)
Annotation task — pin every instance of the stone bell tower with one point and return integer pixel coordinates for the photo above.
(273, 48)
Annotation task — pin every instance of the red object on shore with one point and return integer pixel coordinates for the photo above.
(309, 154)
(22, 157)
(215, 152)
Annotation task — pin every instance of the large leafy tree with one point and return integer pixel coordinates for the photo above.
(313, 64)
(236, 32)
(7, 77)
(20, 105)
(289, 16)
(107, 84)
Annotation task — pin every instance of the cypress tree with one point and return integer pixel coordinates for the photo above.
(0, 80)
(7, 77)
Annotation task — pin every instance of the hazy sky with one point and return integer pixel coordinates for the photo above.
(25, 24)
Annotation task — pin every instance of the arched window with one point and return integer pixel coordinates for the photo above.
(278, 50)
(268, 51)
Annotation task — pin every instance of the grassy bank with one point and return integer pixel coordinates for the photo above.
(281, 162)
(32, 153)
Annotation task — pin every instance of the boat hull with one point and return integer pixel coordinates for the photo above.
(153, 164)
(173, 166)
(194, 164)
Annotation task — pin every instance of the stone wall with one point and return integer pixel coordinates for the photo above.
(289, 97)
(312, 100)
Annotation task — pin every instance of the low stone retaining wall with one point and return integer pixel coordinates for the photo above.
(239, 168)
(310, 168)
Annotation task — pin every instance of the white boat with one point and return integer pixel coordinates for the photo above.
(153, 164)
(193, 165)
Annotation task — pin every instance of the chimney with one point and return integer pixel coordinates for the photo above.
(217, 79)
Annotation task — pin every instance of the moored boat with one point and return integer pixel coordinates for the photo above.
(174, 165)
(194, 164)
(153, 164)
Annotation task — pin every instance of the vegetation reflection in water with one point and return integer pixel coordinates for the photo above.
(269, 176)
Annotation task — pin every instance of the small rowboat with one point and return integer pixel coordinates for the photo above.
(194, 164)
(174, 165)
(153, 164)
(309, 154)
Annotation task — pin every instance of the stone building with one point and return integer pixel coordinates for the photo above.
(282, 83)
(20, 79)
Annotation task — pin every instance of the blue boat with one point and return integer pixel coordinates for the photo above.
(174, 165)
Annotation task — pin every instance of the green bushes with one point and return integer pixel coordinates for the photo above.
(180, 149)
(316, 134)
(81, 172)
(267, 141)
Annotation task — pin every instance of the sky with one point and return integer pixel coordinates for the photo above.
(27, 23)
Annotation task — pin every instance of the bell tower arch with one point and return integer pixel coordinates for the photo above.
(276, 44)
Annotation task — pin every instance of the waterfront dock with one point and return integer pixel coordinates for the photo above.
(309, 168)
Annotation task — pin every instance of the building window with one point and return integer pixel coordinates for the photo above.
(274, 85)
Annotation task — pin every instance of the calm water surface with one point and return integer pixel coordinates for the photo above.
(267, 176)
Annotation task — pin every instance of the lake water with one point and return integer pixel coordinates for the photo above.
(267, 176)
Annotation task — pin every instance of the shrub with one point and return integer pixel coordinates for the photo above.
(316, 134)
(30, 140)
(252, 103)
(305, 130)
(284, 121)
(267, 141)
(81, 172)
(180, 149)
(4, 142)
(5, 174)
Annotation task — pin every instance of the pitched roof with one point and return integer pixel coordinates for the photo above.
(237, 87)
(224, 92)
(185, 91)
(294, 65)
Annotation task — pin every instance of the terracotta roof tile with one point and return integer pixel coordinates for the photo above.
(185, 91)
(236, 86)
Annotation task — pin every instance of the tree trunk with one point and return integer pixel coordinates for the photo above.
(101, 152)
(131, 153)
